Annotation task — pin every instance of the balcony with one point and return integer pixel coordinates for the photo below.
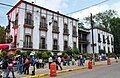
(55, 47)
(104, 41)
(42, 46)
(55, 29)
(99, 40)
(28, 23)
(108, 42)
(43, 26)
(74, 34)
(27, 44)
(66, 31)
(83, 40)
(112, 42)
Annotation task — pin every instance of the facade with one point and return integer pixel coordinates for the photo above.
(83, 41)
(36, 28)
(102, 40)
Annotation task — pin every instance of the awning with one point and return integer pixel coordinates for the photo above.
(3, 46)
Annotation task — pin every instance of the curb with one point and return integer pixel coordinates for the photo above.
(62, 71)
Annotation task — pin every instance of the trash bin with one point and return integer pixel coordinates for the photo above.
(53, 70)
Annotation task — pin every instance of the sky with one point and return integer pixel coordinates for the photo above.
(65, 7)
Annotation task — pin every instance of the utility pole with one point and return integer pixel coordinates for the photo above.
(92, 39)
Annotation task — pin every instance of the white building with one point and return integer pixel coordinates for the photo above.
(36, 28)
(102, 40)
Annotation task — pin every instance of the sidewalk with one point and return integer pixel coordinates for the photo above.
(45, 71)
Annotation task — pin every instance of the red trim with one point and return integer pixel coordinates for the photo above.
(15, 6)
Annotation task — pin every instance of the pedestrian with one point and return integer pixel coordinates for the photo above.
(27, 65)
(50, 60)
(10, 68)
(32, 61)
(21, 64)
(81, 60)
(58, 63)
(41, 65)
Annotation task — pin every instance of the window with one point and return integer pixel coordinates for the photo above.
(99, 48)
(27, 42)
(74, 31)
(65, 45)
(42, 43)
(55, 23)
(55, 44)
(74, 45)
(108, 50)
(104, 39)
(28, 19)
(99, 38)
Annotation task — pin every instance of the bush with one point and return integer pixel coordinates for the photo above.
(102, 51)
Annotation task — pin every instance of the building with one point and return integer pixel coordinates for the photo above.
(36, 28)
(83, 41)
(102, 40)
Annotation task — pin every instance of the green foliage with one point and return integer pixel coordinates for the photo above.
(69, 51)
(115, 29)
(64, 54)
(18, 52)
(49, 53)
(102, 19)
(4, 53)
(110, 55)
(2, 35)
(44, 55)
(102, 51)
(76, 51)
(11, 56)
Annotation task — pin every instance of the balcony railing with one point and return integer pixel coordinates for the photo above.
(104, 41)
(42, 46)
(74, 33)
(99, 40)
(28, 23)
(55, 47)
(27, 44)
(108, 42)
(56, 29)
(43, 26)
(112, 42)
(83, 40)
(66, 31)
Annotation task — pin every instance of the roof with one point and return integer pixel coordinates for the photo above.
(22, 1)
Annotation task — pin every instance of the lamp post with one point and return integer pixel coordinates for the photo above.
(92, 39)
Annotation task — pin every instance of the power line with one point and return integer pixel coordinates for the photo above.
(87, 7)
(4, 4)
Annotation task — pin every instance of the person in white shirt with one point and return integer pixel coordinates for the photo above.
(50, 60)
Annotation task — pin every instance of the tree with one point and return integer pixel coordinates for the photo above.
(115, 29)
(102, 19)
(2, 35)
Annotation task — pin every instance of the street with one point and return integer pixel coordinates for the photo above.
(107, 71)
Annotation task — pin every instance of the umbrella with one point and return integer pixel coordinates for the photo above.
(3, 46)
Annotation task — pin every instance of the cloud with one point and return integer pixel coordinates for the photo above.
(55, 5)
(96, 9)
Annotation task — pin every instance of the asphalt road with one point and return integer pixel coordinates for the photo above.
(107, 71)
